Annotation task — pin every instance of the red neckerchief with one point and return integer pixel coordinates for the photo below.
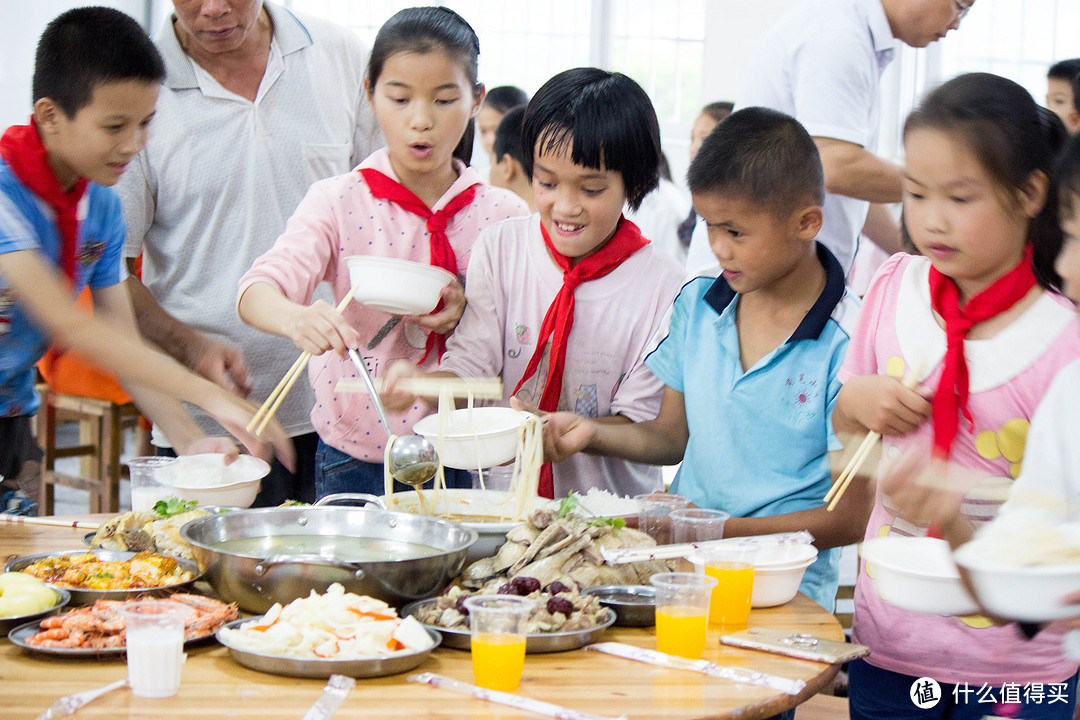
(21, 148)
(559, 319)
(442, 253)
(951, 396)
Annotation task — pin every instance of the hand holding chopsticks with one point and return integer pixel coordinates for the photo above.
(864, 450)
(277, 395)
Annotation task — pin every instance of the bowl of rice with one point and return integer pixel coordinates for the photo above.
(206, 479)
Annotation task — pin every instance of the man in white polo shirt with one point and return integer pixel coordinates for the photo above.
(258, 103)
(822, 64)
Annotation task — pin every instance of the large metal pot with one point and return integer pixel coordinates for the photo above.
(255, 583)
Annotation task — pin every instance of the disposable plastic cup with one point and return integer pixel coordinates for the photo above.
(147, 486)
(654, 514)
(154, 632)
(690, 525)
(733, 568)
(682, 612)
(498, 630)
(495, 478)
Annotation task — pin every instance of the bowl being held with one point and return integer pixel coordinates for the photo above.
(395, 286)
(1032, 593)
(482, 437)
(917, 574)
(206, 479)
(634, 605)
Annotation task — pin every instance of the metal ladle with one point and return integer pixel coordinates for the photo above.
(413, 459)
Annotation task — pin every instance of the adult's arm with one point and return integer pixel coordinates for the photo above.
(882, 229)
(852, 170)
(220, 363)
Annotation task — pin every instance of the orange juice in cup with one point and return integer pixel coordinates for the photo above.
(682, 607)
(733, 568)
(498, 626)
(498, 660)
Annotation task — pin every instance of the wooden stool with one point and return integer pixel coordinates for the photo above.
(101, 440)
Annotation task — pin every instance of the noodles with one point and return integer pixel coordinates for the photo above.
(525, 482)
(388, 479)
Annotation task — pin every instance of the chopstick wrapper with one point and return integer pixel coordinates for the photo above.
(735, 674)
(504, 698)
(668, 552)
(333, 695)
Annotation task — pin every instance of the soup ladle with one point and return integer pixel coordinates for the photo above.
(413, 459)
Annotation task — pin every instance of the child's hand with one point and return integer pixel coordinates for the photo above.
(925, 493)
(882, 404)
(444, 321)
(221, 364)
(320, 327)
(235, 413)
(565, 434)
(395, 400)
(213, 444)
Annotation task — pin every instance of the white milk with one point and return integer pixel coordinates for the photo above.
(143, 498)
(154, 657)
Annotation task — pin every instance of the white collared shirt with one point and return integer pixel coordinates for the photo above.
(221, 174)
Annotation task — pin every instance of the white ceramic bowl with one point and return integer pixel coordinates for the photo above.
(207, 479)
(1027, 594)
(917, 574)
(785, 556)
(464, 504)
(398, 287)
(479, 438)
(776, 585)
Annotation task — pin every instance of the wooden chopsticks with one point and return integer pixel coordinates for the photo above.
(480, 388)
(865, 448)
(266, 411)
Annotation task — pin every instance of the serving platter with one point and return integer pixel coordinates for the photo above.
(19, 635)
(323, 668)
(83, 596)
(534, 644)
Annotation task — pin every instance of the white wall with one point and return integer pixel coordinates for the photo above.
(733, 29)
(19, 33)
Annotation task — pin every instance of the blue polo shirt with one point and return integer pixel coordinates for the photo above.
(27, 223)
(759, 440)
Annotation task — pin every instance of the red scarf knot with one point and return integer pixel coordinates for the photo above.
(23, 151)
(442, 253)
(559, 319)
(951, 397)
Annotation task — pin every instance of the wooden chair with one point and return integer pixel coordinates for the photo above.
(101, 440)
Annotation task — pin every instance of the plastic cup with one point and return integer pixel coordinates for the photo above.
(146, 481)
(498, 630)
(654, 510)
(495, 478)
(733, 568)
(154, 633)
(682, 612)
(691, 525)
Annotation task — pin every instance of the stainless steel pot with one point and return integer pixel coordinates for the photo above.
(255, 583)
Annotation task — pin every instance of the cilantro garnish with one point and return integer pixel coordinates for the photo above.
(174, 506)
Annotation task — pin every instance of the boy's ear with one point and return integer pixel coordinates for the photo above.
(808, 221)
(479, 93)
(47, 114)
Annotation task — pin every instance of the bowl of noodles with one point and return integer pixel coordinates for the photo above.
(471, 438)
(1023, 565)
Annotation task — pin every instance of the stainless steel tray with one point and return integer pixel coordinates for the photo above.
(315, 668)
(81, 596)
(540, 643)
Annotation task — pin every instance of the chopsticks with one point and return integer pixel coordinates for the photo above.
(54, 522)
(865, 448)
(266, 411)
(480, 388)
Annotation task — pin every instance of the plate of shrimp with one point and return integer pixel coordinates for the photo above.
(98, 629)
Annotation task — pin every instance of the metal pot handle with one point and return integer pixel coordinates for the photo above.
(264, 566)
(339, 498)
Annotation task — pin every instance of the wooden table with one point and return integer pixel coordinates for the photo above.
(213, 686)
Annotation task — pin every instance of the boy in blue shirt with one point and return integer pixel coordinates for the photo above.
(749, 359)
(95, 86)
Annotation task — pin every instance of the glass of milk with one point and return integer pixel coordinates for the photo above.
(155, 646)
(147, 486)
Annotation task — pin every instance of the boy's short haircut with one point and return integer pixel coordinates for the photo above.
(1067, 178)
(761, 155)
(505, 97)
(719, 110)
(508, 136)
(1064, 69)
(87, 47)
(606, 119)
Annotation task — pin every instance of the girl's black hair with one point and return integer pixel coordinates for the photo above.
(423, 30)
(1067, 177)
(605, 118)
(505, 98)
(1001, 124)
